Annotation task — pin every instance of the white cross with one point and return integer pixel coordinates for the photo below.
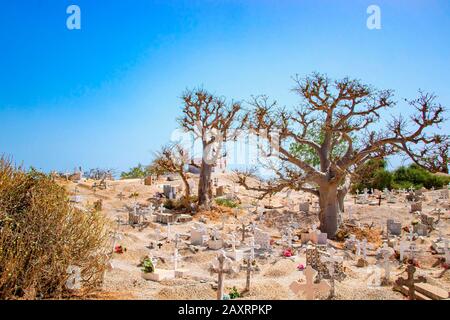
(358, 247)
(404, 245)
(151, 208)
(234, 241)
(386, 264)
(222, 265)
(161, 208)
(310, 288)
(176, 258)
(288, 237)
(168, 231)
(253, 246)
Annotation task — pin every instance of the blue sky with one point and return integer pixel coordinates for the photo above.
(108, 95)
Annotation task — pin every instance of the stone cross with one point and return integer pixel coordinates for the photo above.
(151, 208)
(386, 265)
(250, 267)
(176, 258)
(161, 208)
(253, 246)
(310, 288)
(410, 281)
(234, 241)
(330, 263)
(121, 196)
(222, 265)
(288, 237)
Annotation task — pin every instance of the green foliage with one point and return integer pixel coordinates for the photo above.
(374, 175)
(234, 293)
(138, 172)
(226, 203)
(147, 266)
(308, 154)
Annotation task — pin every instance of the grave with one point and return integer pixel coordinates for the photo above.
(199, 234)
(222, 265)
(304, 207)
(216, 241)
(309, 289)
(235, 254)
(416, 207)
(394, 227)
(262, 239)
(421, 229)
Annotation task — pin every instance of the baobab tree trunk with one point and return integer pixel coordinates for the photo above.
(329, 210)
(204, 185)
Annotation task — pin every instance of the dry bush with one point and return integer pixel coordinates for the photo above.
(41, 235)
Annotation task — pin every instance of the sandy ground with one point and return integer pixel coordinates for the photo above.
(276, 273)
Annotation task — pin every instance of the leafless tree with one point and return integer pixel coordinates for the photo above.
(211, 120)
(173, 159)
(346, 111)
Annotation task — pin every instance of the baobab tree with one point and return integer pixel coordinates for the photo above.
(346, 112)
(173, 159)
(210, 119)
(431, 155)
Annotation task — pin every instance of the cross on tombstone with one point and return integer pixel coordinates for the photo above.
(244, 226)
(288, 237)
(161, 208)
(386, 265)
(151, 208)
(410, 281)
(358, 248)
(222, 265)
(330, 263)
(310, 288)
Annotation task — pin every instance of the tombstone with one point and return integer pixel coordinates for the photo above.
(421, 229)
(312, 257)
(288, 237)
(416, 207)
(310, 288)
(386, 265)
(216, 241)
(199, 234)
(394, 227)
(304, 207)
(169, 191)
(262, 239)
(235, 254)
(403, 247)
(222, 265)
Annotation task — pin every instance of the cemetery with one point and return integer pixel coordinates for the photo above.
(225, 150)
(208, 255)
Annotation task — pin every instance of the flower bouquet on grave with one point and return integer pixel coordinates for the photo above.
(119, 249)
(148, 266)
(287, 253)
(300, 267)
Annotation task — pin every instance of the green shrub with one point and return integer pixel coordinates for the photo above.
(226, 203)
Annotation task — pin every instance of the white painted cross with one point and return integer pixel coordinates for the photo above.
(403, 246)
(222, 265)
(386, 264)
(288, 237)
(161, 208)
(168, 231)
(364, 248)
(310, 288)
(176, 258)
(234, 241)
(253, 246)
